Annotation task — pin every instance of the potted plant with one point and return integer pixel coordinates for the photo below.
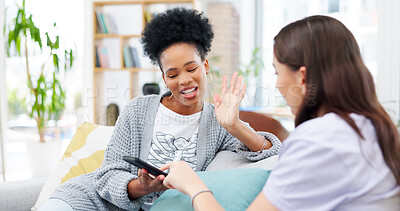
(45, 86)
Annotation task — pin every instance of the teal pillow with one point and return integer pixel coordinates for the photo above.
(234, 189)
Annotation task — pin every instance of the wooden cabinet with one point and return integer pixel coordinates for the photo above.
(118, 25)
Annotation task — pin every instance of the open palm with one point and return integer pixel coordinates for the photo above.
(227, 105)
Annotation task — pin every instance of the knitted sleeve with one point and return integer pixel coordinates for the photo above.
(112, 178)
(255, 156)
(231, 143)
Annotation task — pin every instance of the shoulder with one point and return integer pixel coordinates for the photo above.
(330, 134)
(139, 105)
(325, 129)
(143, 100)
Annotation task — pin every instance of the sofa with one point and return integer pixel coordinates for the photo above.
(22, 195)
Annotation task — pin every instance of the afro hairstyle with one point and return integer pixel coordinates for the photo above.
(178, 25)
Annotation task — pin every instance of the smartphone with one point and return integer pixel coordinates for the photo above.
(143, 165)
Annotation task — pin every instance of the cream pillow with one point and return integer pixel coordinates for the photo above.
(84, 154)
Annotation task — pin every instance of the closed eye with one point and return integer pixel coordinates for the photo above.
(193, 69)
(172, 76)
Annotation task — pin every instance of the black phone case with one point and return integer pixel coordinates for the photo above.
(143, 165)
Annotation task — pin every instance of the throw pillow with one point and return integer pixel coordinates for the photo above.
(234, 189)
(84, 154)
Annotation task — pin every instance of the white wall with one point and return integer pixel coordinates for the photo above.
(388, 77)
(3, 98)
(247, 26)
(87, 94)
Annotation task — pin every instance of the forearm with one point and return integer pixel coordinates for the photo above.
(206, 201)
(248, 137)
(182, 178)
(112, 186)
(203, 200)
(135, 189)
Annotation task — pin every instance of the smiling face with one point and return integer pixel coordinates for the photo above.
(291, 84)
(184, 73)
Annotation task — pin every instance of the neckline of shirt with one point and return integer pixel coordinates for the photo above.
(171, 112)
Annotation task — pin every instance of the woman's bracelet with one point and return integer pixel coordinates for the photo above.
(202, 191)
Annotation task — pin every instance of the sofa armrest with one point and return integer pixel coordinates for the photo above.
(20, 195)
(232, 160)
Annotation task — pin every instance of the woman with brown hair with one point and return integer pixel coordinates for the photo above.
(345, 151)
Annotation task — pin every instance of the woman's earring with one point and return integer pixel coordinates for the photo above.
(168, 92)
(211, 79)
(210, 86)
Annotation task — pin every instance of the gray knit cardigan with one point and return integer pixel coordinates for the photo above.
(106, 187)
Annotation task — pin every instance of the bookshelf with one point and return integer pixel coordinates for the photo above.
(117, 53)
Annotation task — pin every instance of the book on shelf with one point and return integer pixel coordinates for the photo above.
(135, 56)
(101, 23)
(97, 57)
(148, 16)
(128, 61)
(131, 57)
(112, 24)
(103, 56)
(105, 23)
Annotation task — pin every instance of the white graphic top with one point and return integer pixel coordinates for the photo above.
(174, 138)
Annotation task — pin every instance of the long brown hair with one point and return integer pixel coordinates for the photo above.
(337, 79)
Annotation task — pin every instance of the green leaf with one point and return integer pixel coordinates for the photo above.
(48, 40)
(18, 45)
(55, 62)
(71, 58)
(57, 43)
(35, 31)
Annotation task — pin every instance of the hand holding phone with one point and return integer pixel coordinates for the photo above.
(143, 165)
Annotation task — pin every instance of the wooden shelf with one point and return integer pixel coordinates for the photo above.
(102, 36)
(120, 40)
(102, 3)
(131, 69)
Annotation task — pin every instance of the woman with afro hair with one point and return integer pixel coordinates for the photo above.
(175, 126)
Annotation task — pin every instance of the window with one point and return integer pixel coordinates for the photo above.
(359, 16)
(18, 126)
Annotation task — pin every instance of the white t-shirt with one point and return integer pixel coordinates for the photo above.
(324, 165)
(174, 138)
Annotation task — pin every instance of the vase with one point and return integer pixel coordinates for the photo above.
(43, 156)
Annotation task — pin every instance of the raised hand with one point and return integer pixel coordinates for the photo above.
(227, 106)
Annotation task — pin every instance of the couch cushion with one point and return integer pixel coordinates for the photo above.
(234, 189)
(20, 195)
(84, 154)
